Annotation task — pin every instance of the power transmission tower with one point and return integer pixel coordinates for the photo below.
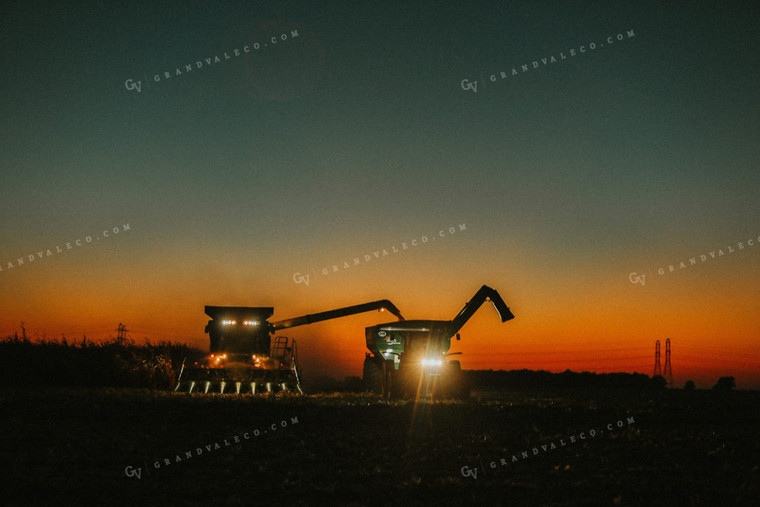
(657, 370)
(668, 368)
(121, 336)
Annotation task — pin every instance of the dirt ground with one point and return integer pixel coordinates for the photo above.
(141, 447)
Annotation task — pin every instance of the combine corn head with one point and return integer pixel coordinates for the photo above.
(244, 357)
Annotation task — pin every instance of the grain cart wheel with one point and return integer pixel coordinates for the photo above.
(373, 376)
(443, 384)
(400, 381)
(388, 371)
(459, 385)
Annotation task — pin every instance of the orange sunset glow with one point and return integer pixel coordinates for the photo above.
(583, 320)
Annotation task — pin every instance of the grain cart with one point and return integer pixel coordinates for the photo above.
(410, 359)
(243, 358)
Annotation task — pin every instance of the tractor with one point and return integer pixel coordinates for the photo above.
(410, 359)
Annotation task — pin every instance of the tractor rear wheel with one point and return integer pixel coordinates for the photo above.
(373, 376)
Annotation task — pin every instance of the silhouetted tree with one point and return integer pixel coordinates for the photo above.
(725, 384)
(657, 382)
(353, 384)
(689, 385)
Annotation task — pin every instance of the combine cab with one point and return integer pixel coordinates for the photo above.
(244, 358)
(411, 359)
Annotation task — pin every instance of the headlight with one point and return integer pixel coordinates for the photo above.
(250, 323)
(432, 362)
(229, 322)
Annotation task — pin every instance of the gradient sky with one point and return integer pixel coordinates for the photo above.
(357, 136)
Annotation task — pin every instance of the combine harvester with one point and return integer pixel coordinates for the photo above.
(409, 359)
(243, 358)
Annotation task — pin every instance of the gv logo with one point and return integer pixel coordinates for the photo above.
(466, 85)
(131, 472)
(469, 472)
(636, 279)
(131, 85)
(299, 278)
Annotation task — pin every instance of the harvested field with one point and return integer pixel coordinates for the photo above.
(686, 448)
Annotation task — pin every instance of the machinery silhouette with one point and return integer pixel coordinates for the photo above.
(242, 356)
(407, 358)
(410, 359)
